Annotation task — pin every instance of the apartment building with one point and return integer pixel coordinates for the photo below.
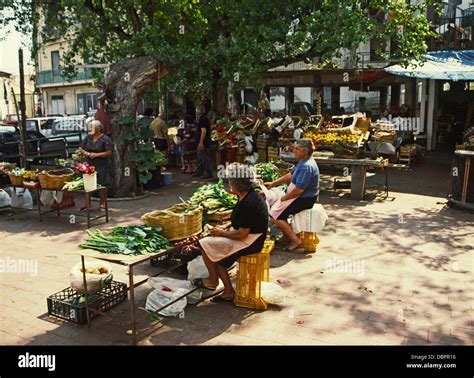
(58, 94)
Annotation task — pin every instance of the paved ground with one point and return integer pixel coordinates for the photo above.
(394, 272)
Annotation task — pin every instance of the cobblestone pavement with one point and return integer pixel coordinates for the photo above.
(394, 272)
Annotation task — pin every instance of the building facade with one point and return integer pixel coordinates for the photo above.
(60, 95)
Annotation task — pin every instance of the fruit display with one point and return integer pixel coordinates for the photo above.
(4, 166)
(468, 136)
(100, 270)
(31, 176)
(213, 198)
(329, 138)
(188, 249)
(25, 174)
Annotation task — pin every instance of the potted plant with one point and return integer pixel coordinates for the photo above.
(89, 174)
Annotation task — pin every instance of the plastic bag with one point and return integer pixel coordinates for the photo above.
(21, 198)
(95, 281)
(158, 298)
(197, 269)
(272, 195)
(175, 284)
(272, 293)
(5, 200)
(48, 197)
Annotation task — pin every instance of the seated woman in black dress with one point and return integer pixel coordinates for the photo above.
(247, 236)
(97, 149)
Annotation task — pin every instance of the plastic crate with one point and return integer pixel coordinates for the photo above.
(162, 261)
(309, 240)
(65, 304)
(253, 269)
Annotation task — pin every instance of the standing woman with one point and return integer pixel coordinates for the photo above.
(97, 148)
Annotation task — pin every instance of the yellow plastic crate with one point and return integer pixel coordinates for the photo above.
(253, 269)
(310, 241)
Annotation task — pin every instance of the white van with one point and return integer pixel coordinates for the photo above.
(43, 125)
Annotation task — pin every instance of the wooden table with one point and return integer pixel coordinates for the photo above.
(358, 169)
(130, 262)
(87, 197)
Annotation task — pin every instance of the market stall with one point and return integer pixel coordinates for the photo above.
(55, 190)
(168, 239)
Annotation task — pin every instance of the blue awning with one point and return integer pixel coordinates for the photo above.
(439, 65)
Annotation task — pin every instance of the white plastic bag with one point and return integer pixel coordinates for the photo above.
(174, 284)
(272, 293)
(197, 269)
(272, 195)
(21, 198)
(96, 281)
(158, 298)
(48, 197)
(5, 200)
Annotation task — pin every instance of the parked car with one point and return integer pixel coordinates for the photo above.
(43, 125)
(9, 143)
(72, 128)
(10, 119)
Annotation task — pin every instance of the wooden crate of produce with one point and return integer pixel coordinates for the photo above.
(407, 153)
(273, 153)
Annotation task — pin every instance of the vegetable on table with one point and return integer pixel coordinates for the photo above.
(129, 240)
(77, 184)
(268, 171)
(213, 198)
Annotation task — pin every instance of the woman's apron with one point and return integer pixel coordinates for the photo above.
(279, 206)
(218, 248)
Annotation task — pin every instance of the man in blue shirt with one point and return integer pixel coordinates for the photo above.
(301, 194)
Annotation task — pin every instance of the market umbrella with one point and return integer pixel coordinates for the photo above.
(439, 65)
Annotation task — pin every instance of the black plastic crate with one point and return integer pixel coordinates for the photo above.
(163, 261)
(67, 303)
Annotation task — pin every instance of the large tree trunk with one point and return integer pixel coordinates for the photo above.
(126, 83)
(219, 97)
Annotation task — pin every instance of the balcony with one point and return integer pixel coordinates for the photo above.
(454, 33)
(56, 77)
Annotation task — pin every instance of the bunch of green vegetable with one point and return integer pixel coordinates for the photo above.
(77, 184)
(213, 198)
(160, 157)
(268, 171)
(130, 240)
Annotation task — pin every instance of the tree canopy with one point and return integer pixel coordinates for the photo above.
(197, 47)
(207, 41)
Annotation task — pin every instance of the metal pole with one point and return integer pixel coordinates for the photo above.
(22, 122)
